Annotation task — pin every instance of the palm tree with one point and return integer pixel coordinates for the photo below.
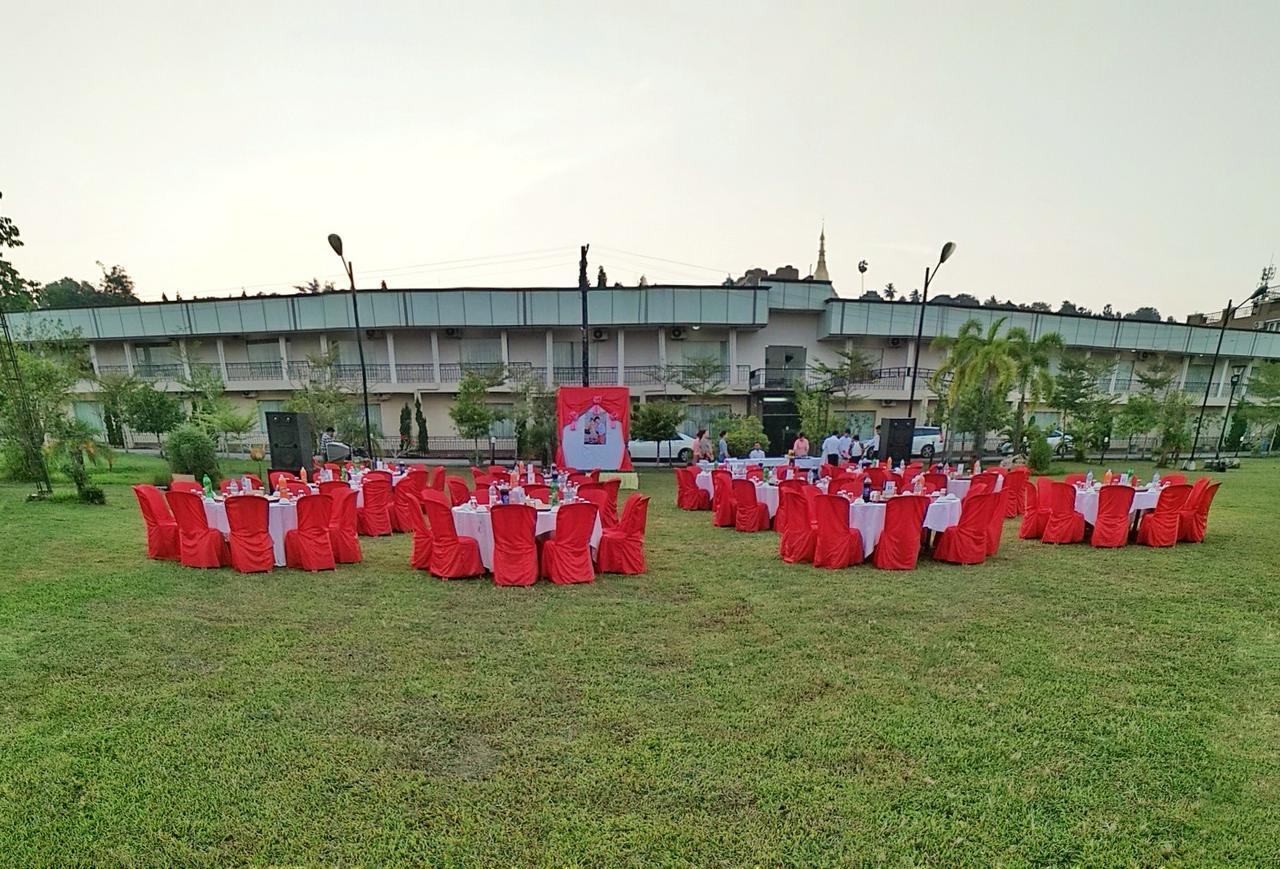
(980, 368)
(1031, 360)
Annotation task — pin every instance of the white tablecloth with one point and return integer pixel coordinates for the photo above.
(1087, 502)
(479, 524)
(868, 518)
(766, 494)
(282, 517)
(738, 466)
(960, 486)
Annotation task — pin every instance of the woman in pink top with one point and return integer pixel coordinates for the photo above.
(800, 448)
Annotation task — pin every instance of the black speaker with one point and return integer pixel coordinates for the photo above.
(897, 440)
(291, 440)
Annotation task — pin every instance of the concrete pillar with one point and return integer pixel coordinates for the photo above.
(506, 352)
(622, 357)
(550, 375)
(284, 358)
(128, 356)
(733, 357)
(662, 347)
(222, 360)
(1182, 375)
(391, 355)
(186, 360)
(435, 356)
(93, 359)
(1223, 377)
(1115, 370)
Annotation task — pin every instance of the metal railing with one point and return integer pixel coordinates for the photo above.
(883, 379)
(415, 372)
(255, 371)
(159, 371)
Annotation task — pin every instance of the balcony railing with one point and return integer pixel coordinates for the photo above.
(882, 379)
(415, 372)
(159, 371)
(113, 369)
(255, 371)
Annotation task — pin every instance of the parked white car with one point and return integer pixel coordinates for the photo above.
(1059, 442)
(679, 448)
(926, 441)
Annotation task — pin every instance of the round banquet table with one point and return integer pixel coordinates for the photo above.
(1087, 501)
(282, 517)
(478, 524)
(868, 518)
(959, 486)
(766, 493)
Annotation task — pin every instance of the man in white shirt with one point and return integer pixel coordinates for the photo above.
(873, 447)
(756, 452)
(831, 449)
(846, 441)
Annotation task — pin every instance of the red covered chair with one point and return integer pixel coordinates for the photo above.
(452, 556)
(966, 542)
(374, 515)
(1036, 509)
(515, 545)
(837, 544)
(343, 525)
(688, 495)
(580, 479)
(1193, 518)
(1174, 479)
(498, 472)
(536, 492)
(788, 485)
(309, 546)
(996, 529)
(1072, 479)
(438, 477)
(249, 539)
(186, 486)
(754, 472)
(622, 547)
(1160, 526)
(748, 513)
(723, 514)
(610, 487)
(478, 476)
(333, 467)
(274, 478)
(850, 484)
(1016, 483)
(379, 472)
(328, 487)
(1064, 524)
(1111, 528)
(566, 557)
(934, 482)
(796, 534)
(981, 484)
(198, 544)
(894, 477)
(296, 488)
(878, 477)
(899, 543)
(457, 490)
(162, 529)
(405, 502)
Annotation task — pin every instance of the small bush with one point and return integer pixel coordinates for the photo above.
(1040, 457)
(92, 495)
(192, 451)
(161, 479)
(743, 432)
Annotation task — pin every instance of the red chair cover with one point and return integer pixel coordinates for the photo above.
(896, 479)
(852, 485)
(274, 478)
(479, 477)
(566, 558)
(334, 467)
(688, 495)
(754, 472)
(457, 490)
(379, 472)
(535, 492)
(723, 513)
(1016, 484)
(610, 487)
(438, 477)
(1064, 524)
(788, 485)
(966, 542)
(296, 488)
(1160, 526)
(980, 484)
(878, 476)
(186, 486)
(1193, 518)
(837, 544)
(328, 487)
(934, 482)
(498, 472)
(343, 525)
(515, 547)
(622, 547)
(796, 537)
(996, 529)
(1111, 529)
(1072, 479)
(1174, 479)
(452, 556)
(1036, 509)
(405, 502)
(309, 546)
(162, 529)
(225, 485)
(250, 541)
(748, 513)
(899, 543)
(420, 554)
(198, 544)
(375, 513)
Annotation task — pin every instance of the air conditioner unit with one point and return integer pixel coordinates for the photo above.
(1144, 355)
(895, 342)
(373, 334)
(888, 402)
(676, 333)
(451, 332)
(599, 334)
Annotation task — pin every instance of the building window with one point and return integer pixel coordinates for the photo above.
(265, 407)
(702, 416)
(262, 351)
(1271, 326)
(481, 351)
(504, 427)
(90, 413)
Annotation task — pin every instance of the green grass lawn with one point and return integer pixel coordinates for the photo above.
(1056, 705)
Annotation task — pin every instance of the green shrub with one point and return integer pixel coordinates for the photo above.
(743, 432)
(192, 451)
(1040, 456)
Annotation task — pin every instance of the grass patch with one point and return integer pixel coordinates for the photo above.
(1054, 705)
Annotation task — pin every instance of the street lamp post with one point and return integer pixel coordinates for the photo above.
(947, 250)
(1237, 372)
(335, 242)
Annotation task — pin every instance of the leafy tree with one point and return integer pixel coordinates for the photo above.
(742, 433)
(534, 419)
(314, 286)
(67, 293)
(1264, 392)
(852, 367)
(1031, 375)
(48, 376)
(1169, 409)
(114, 389)
(813, 406)
(16, 292)
(978, 370)
(702, 377)
(406, 428)
(657, 421)
(192, 451)
(1145, 313)
(1239, 425)
(152, 410)
(74, 445)
(471, 415)
(116, 287)
(889, 292)
(422, 425)
(1075, 386)
(1040, 454)
(221, 418)
(325, 397)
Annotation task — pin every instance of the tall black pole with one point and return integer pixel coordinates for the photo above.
(583, 287)
(915, 365)
(1213, 367)
(364, 374)
(1226, 418)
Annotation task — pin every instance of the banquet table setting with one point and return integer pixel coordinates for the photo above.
(868, 517)
(475, 521)
(1144, 499)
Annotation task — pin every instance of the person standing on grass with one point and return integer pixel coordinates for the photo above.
(723, 452)
(831, 449)
(873, 447)
(702, 450)
(855, 449)
(800, 447)
(846, 441)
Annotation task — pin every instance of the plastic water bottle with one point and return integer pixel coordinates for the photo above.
(493, 493)
(1155, 478)
(1088, 478)
(866, 488)
(246, 485)
(233, 488)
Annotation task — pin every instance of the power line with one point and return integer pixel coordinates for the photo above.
(664, 260)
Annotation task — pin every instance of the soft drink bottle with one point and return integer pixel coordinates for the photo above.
(208, 486)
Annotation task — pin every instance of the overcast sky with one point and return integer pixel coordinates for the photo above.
(1102, 152)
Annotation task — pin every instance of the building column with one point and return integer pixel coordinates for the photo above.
(93, 359)
(186, 360)
(733, 357)
(662, 348)
(1115, 369)
(1182, 375)
(622, 356)
(324, 344)
(284, 358)
(435, 356)
(551, 372)
(506, 351)
(1222, 378)
(391, 355)
(128, 356)
(222, 360)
